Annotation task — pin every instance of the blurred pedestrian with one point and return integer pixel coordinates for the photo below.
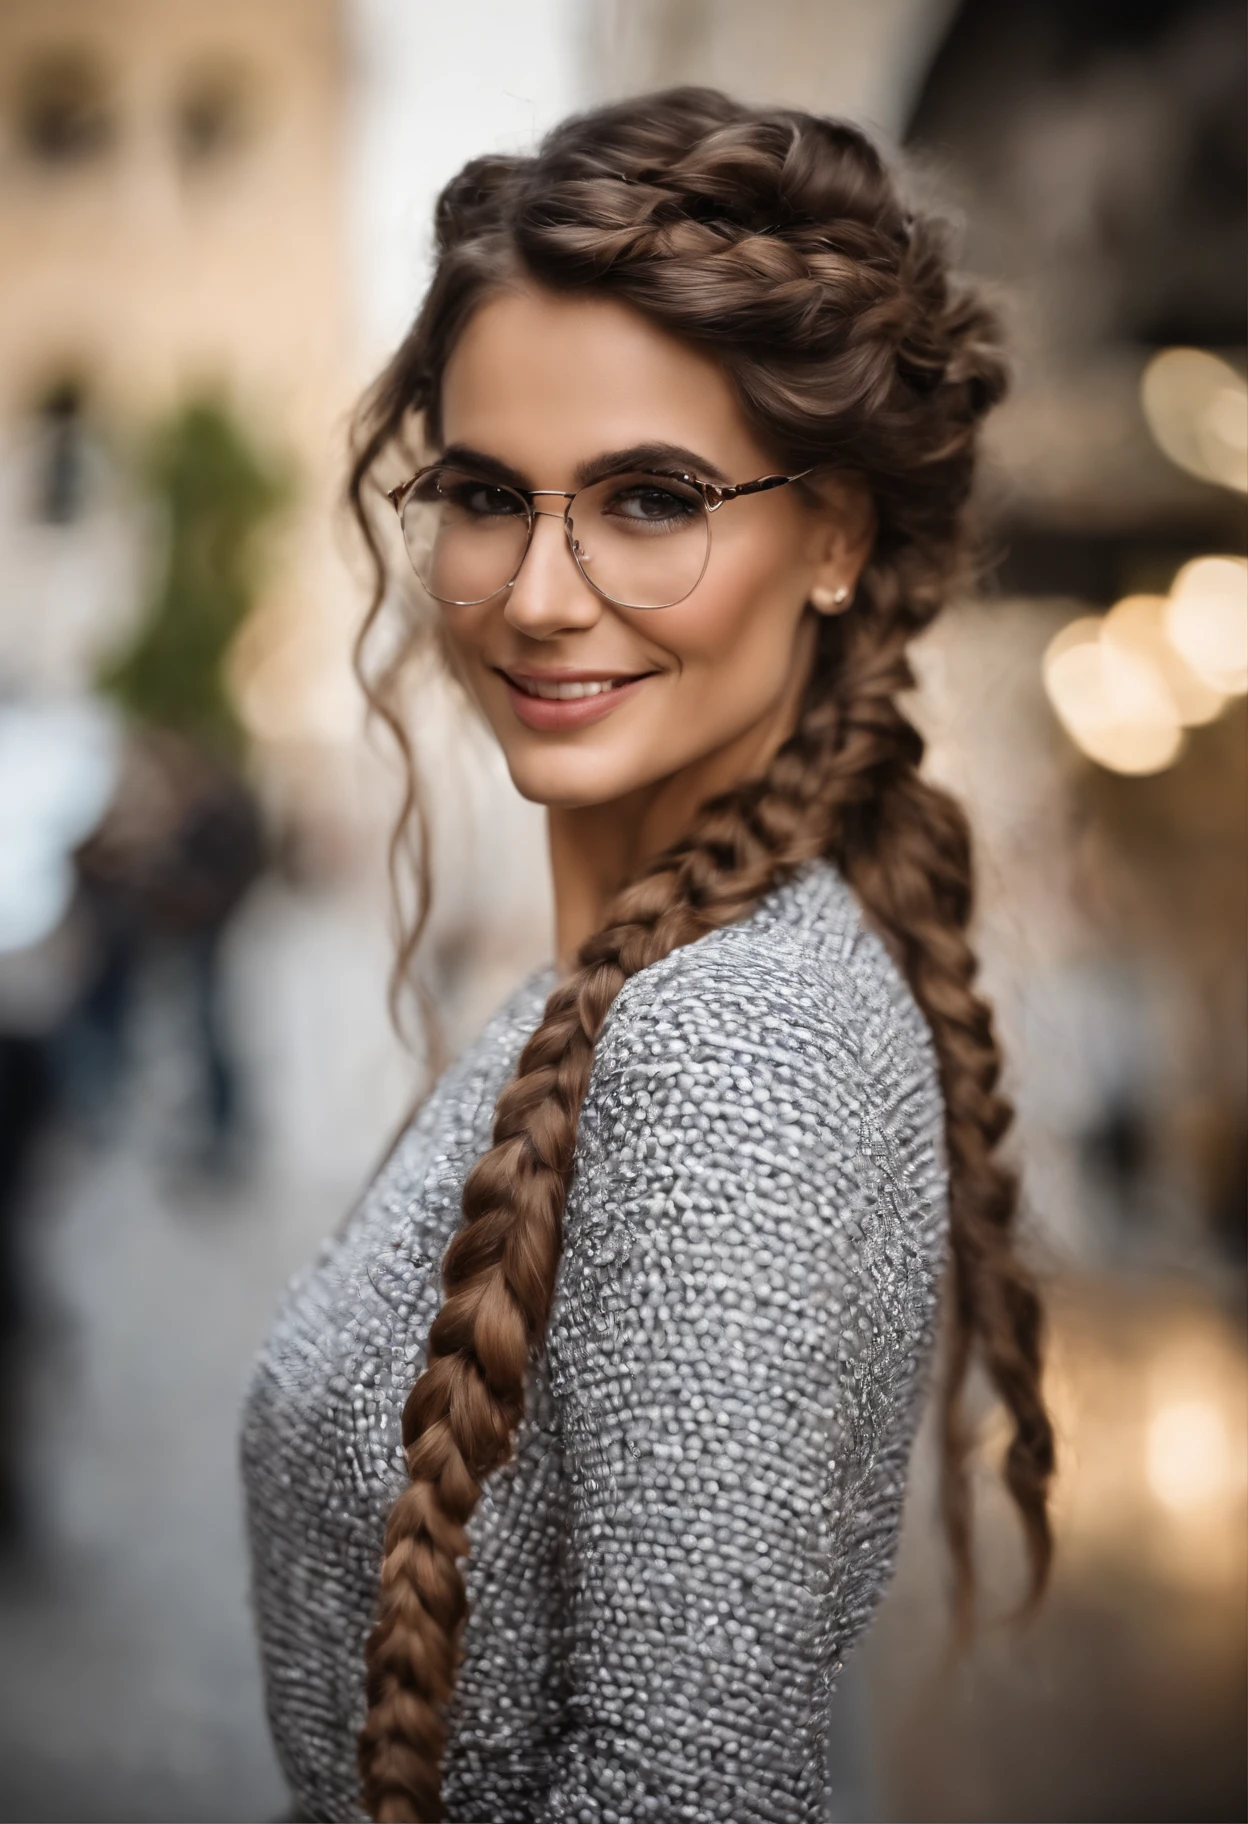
(183, 838)
(163, 872)
(58, 764)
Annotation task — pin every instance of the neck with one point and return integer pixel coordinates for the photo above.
(596, 848)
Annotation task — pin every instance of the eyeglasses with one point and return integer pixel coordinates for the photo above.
(640, 540)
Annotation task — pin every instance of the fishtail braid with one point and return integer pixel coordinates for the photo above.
(778, 240)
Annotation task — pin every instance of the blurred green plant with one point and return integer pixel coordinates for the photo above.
(214, 495)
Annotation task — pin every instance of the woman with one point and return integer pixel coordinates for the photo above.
(652, 1276)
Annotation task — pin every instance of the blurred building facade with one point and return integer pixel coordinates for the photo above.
(172, 224)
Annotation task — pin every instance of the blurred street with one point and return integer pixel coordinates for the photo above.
(130, 1685)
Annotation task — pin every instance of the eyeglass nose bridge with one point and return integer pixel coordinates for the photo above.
(574, 543)
(544, 512)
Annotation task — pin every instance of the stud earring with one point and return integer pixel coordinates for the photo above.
(828, 599)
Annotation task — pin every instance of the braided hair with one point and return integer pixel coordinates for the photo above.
(777, 241)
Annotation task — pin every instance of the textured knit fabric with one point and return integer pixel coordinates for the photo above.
(703, 1508)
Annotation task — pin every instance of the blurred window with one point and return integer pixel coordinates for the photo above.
(62, 459)
(65, 113)
(214, 115)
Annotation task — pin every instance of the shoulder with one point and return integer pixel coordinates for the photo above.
(764, 1131)
(779, 1064)
(802, 991)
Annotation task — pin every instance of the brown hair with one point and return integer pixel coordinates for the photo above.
(777, 241)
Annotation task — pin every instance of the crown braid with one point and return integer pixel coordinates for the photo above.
(778, 240)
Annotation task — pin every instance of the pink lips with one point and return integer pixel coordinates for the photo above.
(550, 713)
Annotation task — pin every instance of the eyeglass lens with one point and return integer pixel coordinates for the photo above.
(641, 540)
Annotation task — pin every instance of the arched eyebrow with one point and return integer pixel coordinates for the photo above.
(489, 468)
(595, 468)
(647, 456)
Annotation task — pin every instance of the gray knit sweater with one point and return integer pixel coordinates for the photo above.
(703, 1509)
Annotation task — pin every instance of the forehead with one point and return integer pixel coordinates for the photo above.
(545, 382)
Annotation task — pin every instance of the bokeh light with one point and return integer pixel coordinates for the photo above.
(1138, 627)
(1188, 1453)
(1207, 620)
(1196, 406)
(1125, 685)
(1114, 703)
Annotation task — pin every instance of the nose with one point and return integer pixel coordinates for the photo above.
(550, 596)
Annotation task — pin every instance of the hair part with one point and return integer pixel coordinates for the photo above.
(777, 240)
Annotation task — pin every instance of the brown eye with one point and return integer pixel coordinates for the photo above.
(488, 502)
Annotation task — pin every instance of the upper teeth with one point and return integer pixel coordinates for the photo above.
(560, 691)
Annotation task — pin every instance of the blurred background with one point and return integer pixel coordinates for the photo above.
(214, 225)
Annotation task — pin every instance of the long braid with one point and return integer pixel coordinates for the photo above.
(910, 862)
(498, 1272)
(778, 240)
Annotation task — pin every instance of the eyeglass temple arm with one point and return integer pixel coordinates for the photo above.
(397, 495)
(715, 496)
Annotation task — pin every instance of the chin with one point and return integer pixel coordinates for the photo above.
(566, 782)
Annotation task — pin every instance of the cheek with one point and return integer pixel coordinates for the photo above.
(736, 634)
(461, 637)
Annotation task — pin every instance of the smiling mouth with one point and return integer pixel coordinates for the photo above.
(568, 690)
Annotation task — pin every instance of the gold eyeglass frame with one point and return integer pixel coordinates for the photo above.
(714, 495)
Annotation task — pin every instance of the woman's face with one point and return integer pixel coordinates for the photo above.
(551, 389)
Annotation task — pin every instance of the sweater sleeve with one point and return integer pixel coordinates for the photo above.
(739, 1346)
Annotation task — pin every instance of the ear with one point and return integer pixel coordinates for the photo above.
(841, 541)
